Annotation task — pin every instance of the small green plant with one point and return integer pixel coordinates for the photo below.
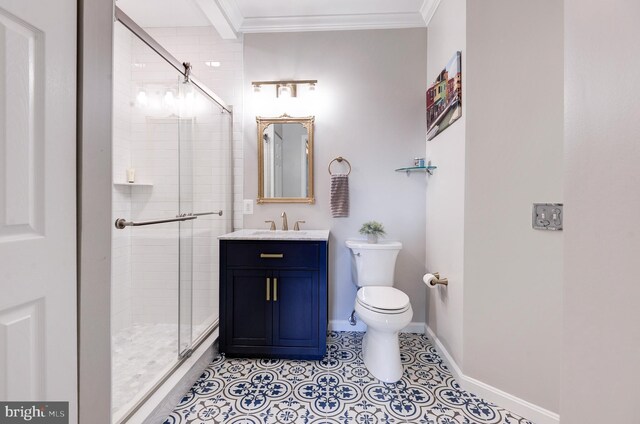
(372, 228)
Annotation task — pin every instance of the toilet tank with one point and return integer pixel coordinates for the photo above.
(373, 264)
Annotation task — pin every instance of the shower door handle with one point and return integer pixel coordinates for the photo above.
(122, 223)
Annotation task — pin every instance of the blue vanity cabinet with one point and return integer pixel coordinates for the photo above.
(273, 298)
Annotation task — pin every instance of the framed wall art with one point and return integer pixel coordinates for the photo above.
(444, 97)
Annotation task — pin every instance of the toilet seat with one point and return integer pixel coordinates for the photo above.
(383, 299)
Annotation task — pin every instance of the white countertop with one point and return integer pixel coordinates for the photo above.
(254, 234)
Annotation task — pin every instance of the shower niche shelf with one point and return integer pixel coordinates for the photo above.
(428, 169)
(133, 184)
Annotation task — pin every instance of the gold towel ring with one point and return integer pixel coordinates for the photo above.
(339, 159)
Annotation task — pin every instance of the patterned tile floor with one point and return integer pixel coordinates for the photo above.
(338, 389)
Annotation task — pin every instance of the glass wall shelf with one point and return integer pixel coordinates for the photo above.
(428, 169)
(122, 184)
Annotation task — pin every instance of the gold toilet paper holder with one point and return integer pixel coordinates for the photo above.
(438, 280)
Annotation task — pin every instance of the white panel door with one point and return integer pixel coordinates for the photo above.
(38, 347)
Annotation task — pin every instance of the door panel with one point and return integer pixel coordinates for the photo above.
(21, 184)
(22, 331)
(295, 316)
(38, 358)
(249, 316)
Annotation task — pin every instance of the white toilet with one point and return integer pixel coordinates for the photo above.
(384, 309)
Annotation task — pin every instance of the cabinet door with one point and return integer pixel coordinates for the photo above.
(248, 312)
(295, 308)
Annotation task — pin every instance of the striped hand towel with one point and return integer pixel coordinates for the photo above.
(339, 195)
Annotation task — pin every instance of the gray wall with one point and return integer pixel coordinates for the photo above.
(369, 108)
(500, 317)
(601, 340)
(445, 190)
(513, 274)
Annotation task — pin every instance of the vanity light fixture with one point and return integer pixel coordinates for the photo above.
(285, 88)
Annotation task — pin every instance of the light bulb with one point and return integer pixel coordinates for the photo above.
(141, 98)
(169, 99)
(284, 91)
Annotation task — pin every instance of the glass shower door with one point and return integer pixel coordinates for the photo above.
(165, 255)
(206, 192)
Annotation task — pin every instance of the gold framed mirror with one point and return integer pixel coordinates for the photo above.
(285, 159)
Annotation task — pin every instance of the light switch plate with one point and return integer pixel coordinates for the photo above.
(247, 207)
(547, 216)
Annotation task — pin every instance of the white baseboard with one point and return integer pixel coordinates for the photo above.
(343, 325)
(444, 354)
(508, 401)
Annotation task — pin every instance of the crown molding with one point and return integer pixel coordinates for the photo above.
(428, 9)
(332, 22)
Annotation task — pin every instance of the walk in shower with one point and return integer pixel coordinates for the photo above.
(172, 197)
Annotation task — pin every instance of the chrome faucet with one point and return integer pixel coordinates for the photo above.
(285, 225)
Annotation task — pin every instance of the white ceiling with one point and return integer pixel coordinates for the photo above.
(231, 17)
(164, 13)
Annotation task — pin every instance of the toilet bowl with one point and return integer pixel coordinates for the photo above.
(384, 309)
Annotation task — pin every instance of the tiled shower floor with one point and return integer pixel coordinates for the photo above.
(337, 389)
(141, 354)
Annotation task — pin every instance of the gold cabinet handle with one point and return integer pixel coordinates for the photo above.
(268, 288)
(275, 289)
(272, 255)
